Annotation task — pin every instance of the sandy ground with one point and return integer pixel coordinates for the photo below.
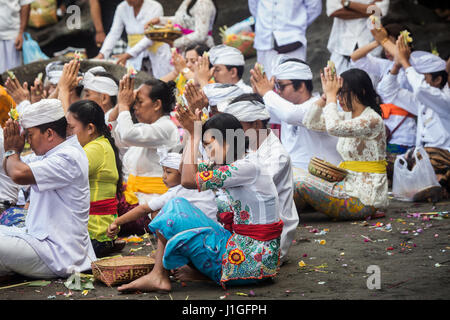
(413, 261)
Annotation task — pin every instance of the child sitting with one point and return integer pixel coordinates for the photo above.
(170, 162)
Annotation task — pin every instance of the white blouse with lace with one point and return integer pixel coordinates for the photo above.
(362, 138)
(200, 20)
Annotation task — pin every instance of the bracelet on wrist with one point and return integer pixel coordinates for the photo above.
(382, 42)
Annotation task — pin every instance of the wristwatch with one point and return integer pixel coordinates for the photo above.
(346, 3)
(10, 153)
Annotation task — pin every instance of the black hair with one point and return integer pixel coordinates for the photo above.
(251, 97)
(358, 83)
(191, 4)
(200, 48)
(88, 111)
(444, 77)
(110, 76)
(240, 70)
(164, 91)
(297, 83)
(223, 122)
(394, 29)
(59, 126)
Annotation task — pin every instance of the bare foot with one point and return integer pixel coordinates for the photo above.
(153, 281)
(187, 273)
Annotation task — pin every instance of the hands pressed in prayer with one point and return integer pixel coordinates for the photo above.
(196, 98)
(13, 140)
(186, 118)
(37, 91)
(260, 84)
(202, 71)
(17, 92)
(69, 79)
(127, 95)
(379, 34)
(403, 53)
(178, 62)
(331, 84)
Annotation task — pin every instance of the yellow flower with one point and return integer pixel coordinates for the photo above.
(406, 36)
(322, 242)
(14, 114)
(236, 256)
(302, 264)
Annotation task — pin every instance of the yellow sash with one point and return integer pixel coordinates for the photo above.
(365, 166)
(144, 185)
(133, 39)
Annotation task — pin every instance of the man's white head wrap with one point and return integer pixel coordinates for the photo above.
(98, 83)
(221, 92)
(44, 111)
(426, 62)
(226, 55)
(53, 72)
(169, 159)
(247, 111)
(290, 70)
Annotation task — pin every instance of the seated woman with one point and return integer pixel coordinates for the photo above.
(152, 104)
(86, 119)
(247, 248)
(362, 145)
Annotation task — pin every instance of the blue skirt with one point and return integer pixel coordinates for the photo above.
(193, 237)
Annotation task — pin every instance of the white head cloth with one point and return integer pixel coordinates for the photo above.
(291, 70)
(98, 83)
(247, 111)
(169, 159)
(226, 55)
(44, 111)
(53, 72)
(426, 62)
(219, 92)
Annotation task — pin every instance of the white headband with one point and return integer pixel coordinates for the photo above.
(426, 62)
(44, 111)
(169, 159)
(226, 55)
(247, 111)
(218, 92)
(98, 83)
(292, 70)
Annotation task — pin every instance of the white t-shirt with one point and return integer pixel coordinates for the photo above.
(204, 200)
(8, 189)
(10, 18)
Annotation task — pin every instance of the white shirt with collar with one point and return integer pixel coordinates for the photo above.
(57, 219)
(276, 159)
(429, 104)
(346, 34)
(286, 21)
(205, 200)
(301, 143)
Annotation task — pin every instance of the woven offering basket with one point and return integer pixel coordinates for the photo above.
(326, 170)
(120, 270)
(163, 34)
